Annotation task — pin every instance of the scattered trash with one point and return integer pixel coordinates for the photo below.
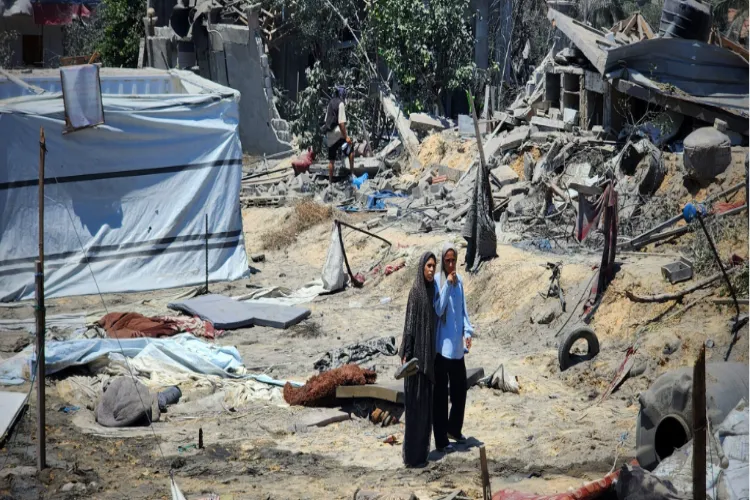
(69, 409)
(392, 439)
(186, 447)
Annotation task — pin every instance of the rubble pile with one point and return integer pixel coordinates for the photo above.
(572, 131)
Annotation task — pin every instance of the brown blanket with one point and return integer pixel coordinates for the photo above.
(320, 390)
(132, 325)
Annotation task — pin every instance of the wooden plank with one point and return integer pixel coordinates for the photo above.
(12, 404)
(486, 487)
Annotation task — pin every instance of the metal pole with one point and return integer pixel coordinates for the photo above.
(718, 261)
(206, 253)
(699, 426)
(40, 319)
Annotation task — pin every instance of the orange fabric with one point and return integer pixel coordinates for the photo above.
(588, 491)
(133, 325)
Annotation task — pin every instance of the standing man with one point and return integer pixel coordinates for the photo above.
(335, 126)
(454, 332)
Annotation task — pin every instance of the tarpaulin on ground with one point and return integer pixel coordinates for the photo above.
(134, 192)
(182, 353)
(376, 201)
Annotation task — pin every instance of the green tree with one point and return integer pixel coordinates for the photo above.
(427, 44)
(123, 28)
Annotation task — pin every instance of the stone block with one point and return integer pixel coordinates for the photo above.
(425, 123)
(505, 175)
(453, 174)
(542, 123)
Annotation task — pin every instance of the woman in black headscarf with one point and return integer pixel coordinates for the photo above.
(419, 342)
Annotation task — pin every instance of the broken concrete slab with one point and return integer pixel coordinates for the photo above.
(319, 418)
(453, 174)
(512, 140)
(426, 123)
(542, 123)
(517, 188)
(408, 138)
(505, 175)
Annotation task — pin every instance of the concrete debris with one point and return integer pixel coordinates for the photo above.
(504, 175)
(542, 123)
(423, 122)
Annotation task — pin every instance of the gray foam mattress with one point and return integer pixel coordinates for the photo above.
(226, 313)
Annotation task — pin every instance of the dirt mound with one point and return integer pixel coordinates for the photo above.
(458, 154)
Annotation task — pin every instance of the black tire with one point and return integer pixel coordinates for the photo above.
(565, 358)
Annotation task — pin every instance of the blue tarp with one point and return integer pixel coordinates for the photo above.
(184, 352)
(376, 200)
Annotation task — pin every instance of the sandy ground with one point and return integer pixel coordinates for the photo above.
(546, 439)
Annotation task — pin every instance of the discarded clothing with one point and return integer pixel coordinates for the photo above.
(196, 326)
(130, 325)
(376, 201)
(320, 390)
(356, 353)
(126, 402)
(479, 228)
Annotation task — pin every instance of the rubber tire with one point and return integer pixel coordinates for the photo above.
(565, 358)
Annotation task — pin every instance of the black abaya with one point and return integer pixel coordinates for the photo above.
(418, 408)
(419, 342)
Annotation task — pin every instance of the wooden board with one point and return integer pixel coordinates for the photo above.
(11, 403)
(393, 390)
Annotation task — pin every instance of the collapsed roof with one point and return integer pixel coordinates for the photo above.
(687, 76)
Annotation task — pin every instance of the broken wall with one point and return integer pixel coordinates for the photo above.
(234, 56)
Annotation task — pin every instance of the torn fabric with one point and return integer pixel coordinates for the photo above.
(479, 228)
(589, 216)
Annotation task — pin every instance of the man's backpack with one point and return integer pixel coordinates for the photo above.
(332, 116)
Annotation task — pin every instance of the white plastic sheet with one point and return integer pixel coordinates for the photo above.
(134, 193)
(333, 276)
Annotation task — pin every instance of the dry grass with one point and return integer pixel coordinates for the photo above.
(306, 214)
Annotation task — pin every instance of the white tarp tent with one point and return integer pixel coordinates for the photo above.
(133, 192)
